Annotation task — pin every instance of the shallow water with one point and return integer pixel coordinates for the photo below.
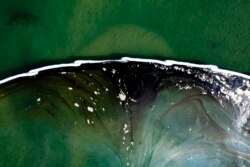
(126, 113)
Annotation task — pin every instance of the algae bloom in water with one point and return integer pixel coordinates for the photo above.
(128, 112)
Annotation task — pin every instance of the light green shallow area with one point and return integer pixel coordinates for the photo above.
(35, 33)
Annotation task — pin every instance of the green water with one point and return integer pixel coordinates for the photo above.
(35, 32)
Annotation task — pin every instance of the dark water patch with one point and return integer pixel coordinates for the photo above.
(22, 19)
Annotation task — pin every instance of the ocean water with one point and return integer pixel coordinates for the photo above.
(104, 110)
(125, 112)
(51, 32)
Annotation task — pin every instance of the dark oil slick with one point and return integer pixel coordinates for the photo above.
(129, 113)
